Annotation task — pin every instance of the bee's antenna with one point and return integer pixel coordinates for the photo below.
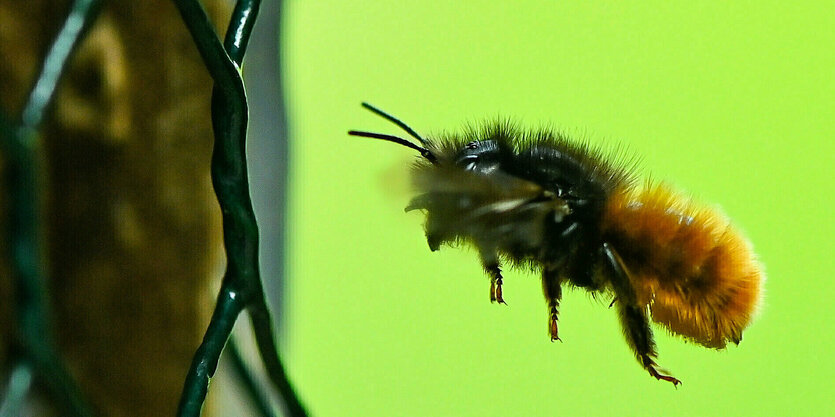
(423, 151)
(394, 120)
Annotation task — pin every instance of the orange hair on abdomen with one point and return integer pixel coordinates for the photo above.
(694, 270)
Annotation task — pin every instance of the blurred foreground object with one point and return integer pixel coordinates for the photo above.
(130, 220)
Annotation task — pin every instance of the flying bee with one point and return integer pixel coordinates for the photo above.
(535, 199)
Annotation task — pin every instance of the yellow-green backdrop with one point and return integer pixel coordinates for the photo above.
(732, 101)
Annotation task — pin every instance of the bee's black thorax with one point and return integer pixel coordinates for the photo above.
(571, 244)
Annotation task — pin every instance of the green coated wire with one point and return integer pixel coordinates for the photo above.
(20, 143)
(20, 381)
(241, 286)
(235, 43)
(81, 15)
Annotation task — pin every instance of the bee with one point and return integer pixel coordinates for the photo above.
(536, 199)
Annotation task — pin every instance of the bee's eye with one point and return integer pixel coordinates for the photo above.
(471, 145)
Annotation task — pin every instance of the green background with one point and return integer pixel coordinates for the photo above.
(732, 102)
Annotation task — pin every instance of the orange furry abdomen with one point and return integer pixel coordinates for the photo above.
(695, 271)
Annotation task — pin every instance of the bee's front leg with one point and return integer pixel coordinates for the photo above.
(490, 263)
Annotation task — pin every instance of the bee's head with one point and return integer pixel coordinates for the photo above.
(482, 156)
(424, 151)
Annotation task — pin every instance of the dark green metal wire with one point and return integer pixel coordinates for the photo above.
(36, 348)
(20, 381)
(241, 287)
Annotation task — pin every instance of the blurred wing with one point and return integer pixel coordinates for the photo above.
(488, 208)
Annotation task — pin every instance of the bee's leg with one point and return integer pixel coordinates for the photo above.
(634, 321)
(490, 263)
(552, 288)
(633, 317)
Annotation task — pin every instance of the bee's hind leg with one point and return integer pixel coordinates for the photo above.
(633, 317)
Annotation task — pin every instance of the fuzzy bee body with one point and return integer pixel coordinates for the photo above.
(535, 198)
